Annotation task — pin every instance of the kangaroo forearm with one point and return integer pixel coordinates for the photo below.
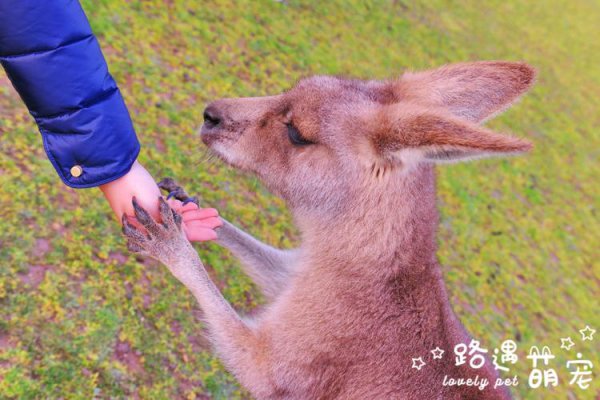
(231, 336)
(165, 241)
(252, 251)
(268, 266)
(194, 276)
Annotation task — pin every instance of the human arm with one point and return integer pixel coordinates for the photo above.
(55, 63)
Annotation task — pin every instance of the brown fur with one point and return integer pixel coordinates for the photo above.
(363, 294)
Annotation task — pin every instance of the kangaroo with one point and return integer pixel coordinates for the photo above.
(355, 311)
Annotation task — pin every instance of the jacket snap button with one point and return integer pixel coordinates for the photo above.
(76, 171)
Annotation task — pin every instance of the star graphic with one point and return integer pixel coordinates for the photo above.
(566, 343)
(587, 333)
(418, 363)
(437, 353)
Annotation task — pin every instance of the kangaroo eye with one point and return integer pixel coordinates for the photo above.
(295, 136)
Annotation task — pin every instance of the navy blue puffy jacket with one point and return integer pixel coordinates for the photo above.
(55, 63)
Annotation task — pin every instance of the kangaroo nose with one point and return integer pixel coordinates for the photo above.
(212, 118)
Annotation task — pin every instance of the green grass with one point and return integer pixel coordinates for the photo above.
(80, 317)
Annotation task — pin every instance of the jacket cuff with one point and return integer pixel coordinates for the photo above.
(103, 148)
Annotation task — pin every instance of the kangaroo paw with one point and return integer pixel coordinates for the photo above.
(169, 185)
(164, 241)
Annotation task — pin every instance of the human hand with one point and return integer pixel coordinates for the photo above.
(136, 183)
(199, 224)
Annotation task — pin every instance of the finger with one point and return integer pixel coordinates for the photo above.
(133, 246)
(130, 231)
(166, 213)
(201, 213)
(191, 199)
(144, 217)
(136, 224)
(200, 235)
(189, 206)
(176, 217)
(168, 184)
(175, 205)
(211, 223)
(174, 193)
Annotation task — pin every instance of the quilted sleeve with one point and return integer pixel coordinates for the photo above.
(55, 63)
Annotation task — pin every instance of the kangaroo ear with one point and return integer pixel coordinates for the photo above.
(411, 134)
(472, 91)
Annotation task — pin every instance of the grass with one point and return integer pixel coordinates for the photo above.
(82, 318)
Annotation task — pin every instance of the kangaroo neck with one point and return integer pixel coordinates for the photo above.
(388, 232)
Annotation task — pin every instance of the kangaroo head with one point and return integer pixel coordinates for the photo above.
(330, 139)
